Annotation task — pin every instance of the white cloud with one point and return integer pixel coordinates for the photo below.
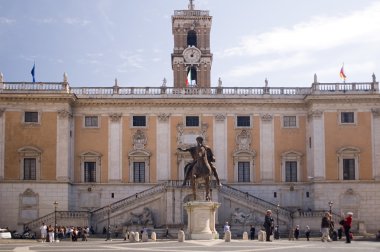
(76, 21)
(4, 20)
(320, 33)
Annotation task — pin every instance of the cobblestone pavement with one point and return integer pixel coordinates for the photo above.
(189, 245)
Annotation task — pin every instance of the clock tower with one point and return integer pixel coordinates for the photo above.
(191, 57)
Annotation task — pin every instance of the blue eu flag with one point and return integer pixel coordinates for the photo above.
(33, 71)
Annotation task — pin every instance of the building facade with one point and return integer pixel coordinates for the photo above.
(115, 149)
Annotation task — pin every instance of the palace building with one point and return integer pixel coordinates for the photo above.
(105, 154)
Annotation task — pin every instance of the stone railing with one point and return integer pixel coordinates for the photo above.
(171, 92)
(103, 211)
(61, 217)
(235, 193)
(191, 13)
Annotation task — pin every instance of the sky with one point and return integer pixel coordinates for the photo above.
(96, 41)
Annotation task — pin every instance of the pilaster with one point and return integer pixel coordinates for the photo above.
(163, 147)
(267, 148)
(376, 144)
(63, 145)
(114, 150)
(2, 142)
(317, 135)
(219, 145)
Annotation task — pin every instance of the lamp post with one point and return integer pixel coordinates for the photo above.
(277, 230)
(108, 224)
(55, 218)
(330, 205)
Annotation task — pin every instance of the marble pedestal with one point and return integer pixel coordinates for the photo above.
(201, 219)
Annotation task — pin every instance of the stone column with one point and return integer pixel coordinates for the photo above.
(376, 144)
(163, 147)
(63, 145)
(267, 148)
(2, 142)
(114, 150)
(220, 145)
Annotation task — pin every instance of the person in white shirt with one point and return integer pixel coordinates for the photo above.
(43, 230)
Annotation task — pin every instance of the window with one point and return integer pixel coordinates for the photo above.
(139, 172)
(290, 121)
(91, 122)
(291, 171)
(291, 166)
(89, 171)
(348, 163)
(30, 169)
(243, 172)
(192, 38)
(31, 117)
(192, 121)
(29, 163)
(243, 121)
(349, 169)
(347, 117)
(90, 166)
(139, 121)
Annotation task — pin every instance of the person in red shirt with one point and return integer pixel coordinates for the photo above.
(347, 226)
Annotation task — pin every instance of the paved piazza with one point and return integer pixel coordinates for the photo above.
(199, 246)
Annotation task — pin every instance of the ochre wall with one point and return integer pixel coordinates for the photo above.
(42, 136)
(338, 136)
(289, 139)
(91, 139)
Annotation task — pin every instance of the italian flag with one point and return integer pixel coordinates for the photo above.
(188, 80)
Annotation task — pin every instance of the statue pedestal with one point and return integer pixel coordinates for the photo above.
(201, 219)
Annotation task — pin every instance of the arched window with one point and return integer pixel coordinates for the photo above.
(192, 38)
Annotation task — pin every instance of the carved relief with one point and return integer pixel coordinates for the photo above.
(139, 140)
(115, 117)
(220, 117)
(186, 138)
(266, 117)
(315, 113)
(163, 117)
(62, 114)
(375, 112)
(243, 140)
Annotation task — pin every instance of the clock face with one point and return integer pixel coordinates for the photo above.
(192, 55)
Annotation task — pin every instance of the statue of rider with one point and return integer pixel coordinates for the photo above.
(210, 159)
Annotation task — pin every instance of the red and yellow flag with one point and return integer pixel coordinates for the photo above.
(341, 74)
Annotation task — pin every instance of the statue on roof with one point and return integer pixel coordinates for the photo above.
(373, 77)
(191, 5)
(1, 77)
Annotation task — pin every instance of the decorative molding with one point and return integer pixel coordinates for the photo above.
(163, 117)
(375, 112)
(62, 114)
(315, 113)
(115, 117)
(220, 117)
(266, 117)
(243, 140)
(139, 140)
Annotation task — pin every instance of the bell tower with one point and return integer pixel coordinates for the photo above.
(191, 57)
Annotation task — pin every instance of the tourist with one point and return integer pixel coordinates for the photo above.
(325, 227)
(268, 224)
(347, 226)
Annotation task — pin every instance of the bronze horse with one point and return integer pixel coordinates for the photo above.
(201, 169)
